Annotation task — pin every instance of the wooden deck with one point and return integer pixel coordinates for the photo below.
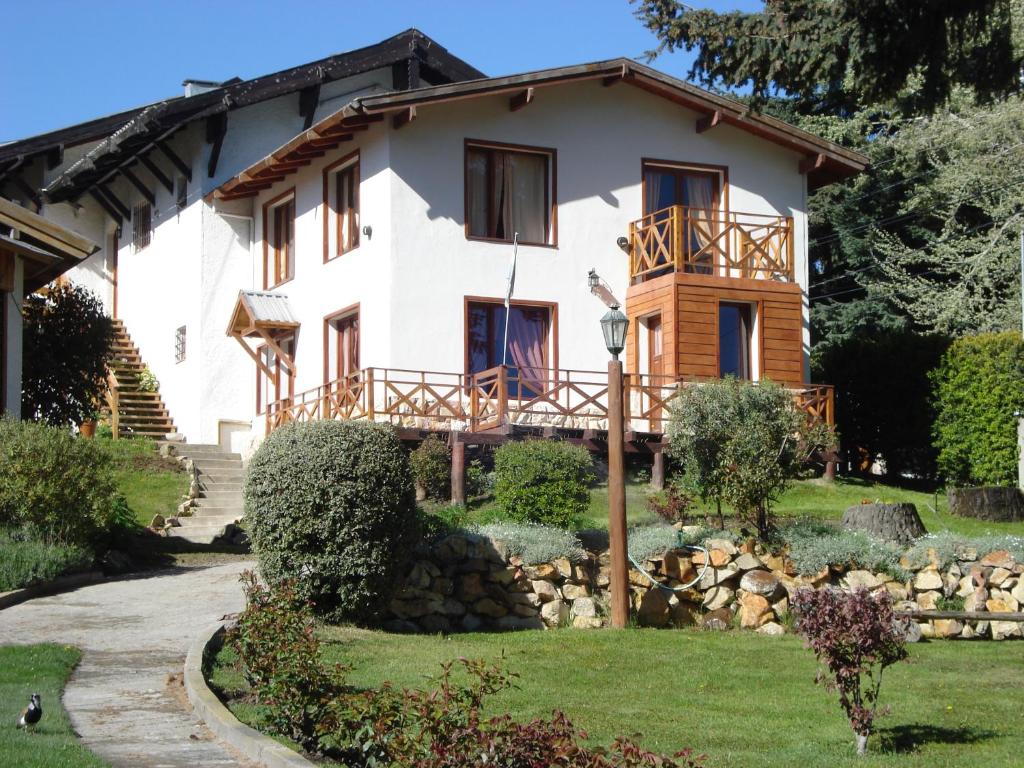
(503, 402)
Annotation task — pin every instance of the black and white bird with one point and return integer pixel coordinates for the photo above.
(32, 714)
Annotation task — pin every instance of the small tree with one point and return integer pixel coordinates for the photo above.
(856, 636)
(431, 464)
(741, 443)
(67, 340)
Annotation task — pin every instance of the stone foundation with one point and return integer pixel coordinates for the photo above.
(467, 583)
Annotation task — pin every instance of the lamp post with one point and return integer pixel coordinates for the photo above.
(614, 325)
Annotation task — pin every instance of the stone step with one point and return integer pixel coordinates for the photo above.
(198, 534)
(200, 521)
(209, 464)
(224, 508)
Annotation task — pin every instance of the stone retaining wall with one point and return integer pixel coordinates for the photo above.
(466, 582)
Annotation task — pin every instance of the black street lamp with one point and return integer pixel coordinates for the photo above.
(614, 326)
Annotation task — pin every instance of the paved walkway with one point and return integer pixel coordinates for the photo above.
(134, 634)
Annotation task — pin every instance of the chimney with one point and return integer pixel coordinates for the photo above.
(195, 87)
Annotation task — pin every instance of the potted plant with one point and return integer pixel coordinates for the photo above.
(87, 427)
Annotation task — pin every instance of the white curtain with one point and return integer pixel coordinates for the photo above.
(700, 197)
(477, 183)
(528, 188)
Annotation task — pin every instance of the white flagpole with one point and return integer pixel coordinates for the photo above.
(508, 294)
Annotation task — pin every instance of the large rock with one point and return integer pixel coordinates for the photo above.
(927, 581)
(993, 503)
(719, 619)
(488, 607)
(718, 597)
(947, 628)
(713, 576)
(587, 622)
(759, 582)
(545, 590)
(861, 580)
(772, 629)
(748, 562)
(998, 559)
(893, 522)
(754, 611)
(575, 591)
(654, 609)
(555, 613)
(585, 607)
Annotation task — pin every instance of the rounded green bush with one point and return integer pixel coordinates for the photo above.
(543, 481)
(431, 463)
(331, 504)
(55, 486)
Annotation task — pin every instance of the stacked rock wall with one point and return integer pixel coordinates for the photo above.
(466, 583)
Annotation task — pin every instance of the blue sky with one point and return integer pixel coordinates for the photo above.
(64, 62)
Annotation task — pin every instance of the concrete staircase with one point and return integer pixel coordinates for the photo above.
(138, 413)
(219, 503)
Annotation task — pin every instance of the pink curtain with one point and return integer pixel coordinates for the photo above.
(527, 334)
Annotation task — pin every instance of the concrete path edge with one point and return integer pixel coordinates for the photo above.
(52, 587)
(218, 718)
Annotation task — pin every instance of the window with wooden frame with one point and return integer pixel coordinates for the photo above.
(510, 189)
(279, 240)
(282, 385)
(142, 226)
(341, 199)
(179, 344)
(341, 345)
(526, 350)
(701, 191)
(735, 340)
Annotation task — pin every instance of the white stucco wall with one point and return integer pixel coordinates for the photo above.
(601, 136)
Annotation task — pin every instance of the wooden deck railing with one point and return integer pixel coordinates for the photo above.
(700, 242)
(501, 396)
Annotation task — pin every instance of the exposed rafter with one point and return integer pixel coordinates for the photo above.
(113, 199)
(216, 130)
(812, 163)
(176, 161)
(708, 122)
(112, 212)
(520, 100)
(156, 173)
(309, 97)
(404, 117)
(136, 182)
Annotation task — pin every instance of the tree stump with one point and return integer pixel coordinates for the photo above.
(898, 523)
(1001, 505)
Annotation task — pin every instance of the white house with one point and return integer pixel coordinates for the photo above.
(335, 240)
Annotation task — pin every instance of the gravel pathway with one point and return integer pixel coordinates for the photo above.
(125, 699)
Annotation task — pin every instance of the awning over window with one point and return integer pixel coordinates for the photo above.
(268, 317)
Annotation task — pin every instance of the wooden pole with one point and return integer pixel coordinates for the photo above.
(458, 470)
(619, 585)
(658, 471)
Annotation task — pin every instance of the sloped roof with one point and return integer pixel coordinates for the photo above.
(261, 310)
(824, 163)
(414, 55)
(51, 248)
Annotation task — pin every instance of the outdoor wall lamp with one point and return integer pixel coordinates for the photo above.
(368, 231)
(614, 325)
(623, 243)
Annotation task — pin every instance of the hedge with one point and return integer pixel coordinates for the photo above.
(332, 505)
(977, 387)
(543, 481)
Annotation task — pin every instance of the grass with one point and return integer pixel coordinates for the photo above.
(743, 699)
(42, 669)
(150, 483)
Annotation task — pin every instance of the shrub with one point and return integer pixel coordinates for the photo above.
(543, 481)
(67, 340)
(856, 636)
(950, 547)
(431, 464)
(741, 443)
(646, 541)
(672, 504)
(534, 543)
(479, 482)
(814, 546)
(440, 522)
(25, 561)
(276, 641)
(976, 388)
(59, 487)
(445, 728)
(331, 504)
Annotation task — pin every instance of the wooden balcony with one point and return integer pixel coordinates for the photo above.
(501, 398)
(695, 241)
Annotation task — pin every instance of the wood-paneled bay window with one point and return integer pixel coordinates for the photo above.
(510, 190)
(279, 240)
(341, 198)
(531, 337)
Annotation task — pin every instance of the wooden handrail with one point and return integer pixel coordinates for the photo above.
(697, 241)
(113, 397)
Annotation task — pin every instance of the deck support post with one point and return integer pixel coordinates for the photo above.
(658, 471)
(619, 585)
(830, 471)
(458, 470)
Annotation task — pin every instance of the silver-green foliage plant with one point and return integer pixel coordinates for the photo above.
(814, 546)
(331, 505)
(534, 543)
(740, 443)
(949, 548)
(647, 541)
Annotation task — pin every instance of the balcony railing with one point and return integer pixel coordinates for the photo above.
(701, 242)
(499, 397)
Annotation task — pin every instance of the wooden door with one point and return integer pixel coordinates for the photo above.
(655, 363)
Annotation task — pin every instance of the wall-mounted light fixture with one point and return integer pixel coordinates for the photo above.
(368, 231)
(623, 243)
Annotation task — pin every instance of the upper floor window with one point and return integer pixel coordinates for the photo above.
(279, 241)
(341, 194)
(510, 190)
(142, 226)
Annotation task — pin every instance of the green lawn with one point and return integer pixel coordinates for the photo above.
(743, 699)
(150, 483)
(42, 669)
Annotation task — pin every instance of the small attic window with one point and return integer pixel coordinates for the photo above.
(142, 226)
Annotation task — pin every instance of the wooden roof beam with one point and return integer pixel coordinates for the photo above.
(340, 128)
(176, 161)
(616, 78)
(520, 100)
(812, 163)
(106, 206)
(156, 173)
(309, 97)
(136, 182)
(123, 209)
(404, 117)
(216, 130)
(28, 192)
(708, 122)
